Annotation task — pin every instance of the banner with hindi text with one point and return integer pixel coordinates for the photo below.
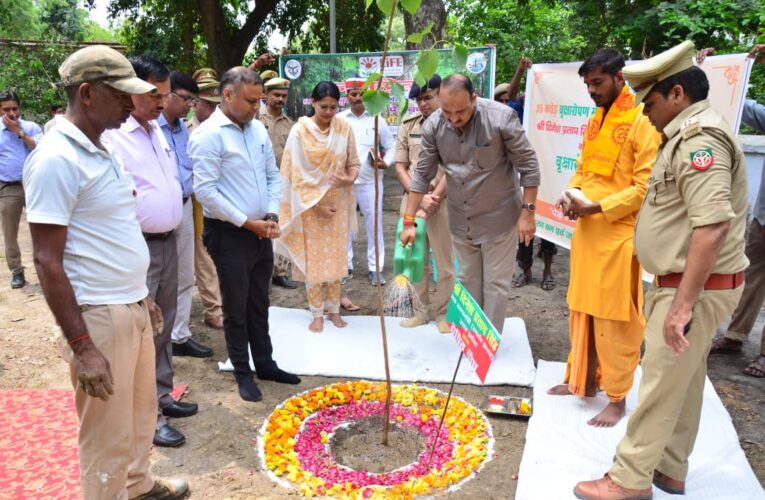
(558, 107)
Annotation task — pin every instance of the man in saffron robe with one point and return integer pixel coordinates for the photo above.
(605, 293)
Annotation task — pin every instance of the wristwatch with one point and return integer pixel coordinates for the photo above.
(21, 134)
(272, 217)
(529, 206)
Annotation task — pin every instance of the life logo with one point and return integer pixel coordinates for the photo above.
(293, 69)
(476, 63)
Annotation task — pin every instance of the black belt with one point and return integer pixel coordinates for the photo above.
(156, 236)
(185, 199)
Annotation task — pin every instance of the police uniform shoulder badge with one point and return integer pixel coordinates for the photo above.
(690, 127)
(702, 159)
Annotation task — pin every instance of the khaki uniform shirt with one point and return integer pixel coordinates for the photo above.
(699, 179)
(482, 166)
(278, 131)
(408, 146)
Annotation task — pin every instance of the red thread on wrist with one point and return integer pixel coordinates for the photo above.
(409, 223)
(79, 339)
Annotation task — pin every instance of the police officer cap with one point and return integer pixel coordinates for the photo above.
(433, 83)
(204, 73)
(501, 89)
(645, 74)
(268, 75)
(277, 84)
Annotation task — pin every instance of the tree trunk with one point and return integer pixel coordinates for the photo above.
(227, 45)
(429, 11)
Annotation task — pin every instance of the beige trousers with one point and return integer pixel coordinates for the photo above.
(440, 243)
(204, 269)
(486, 270)
(116, 435)
(749, 307)
(11, 206)
(662, 430)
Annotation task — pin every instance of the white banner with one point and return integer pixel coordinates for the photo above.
(555, 117)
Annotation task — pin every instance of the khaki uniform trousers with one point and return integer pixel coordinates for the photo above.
(116, 435)
(11, 206)
(486, 270)
(204, 269)
(440, 242)
(749, 307)
(662, 430)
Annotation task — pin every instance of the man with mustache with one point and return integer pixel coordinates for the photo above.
(605, 293)
(141, 146)
(92, 262)
(278, 125)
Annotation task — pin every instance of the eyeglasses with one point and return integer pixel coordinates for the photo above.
(186, 98)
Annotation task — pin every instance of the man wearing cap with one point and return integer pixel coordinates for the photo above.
(17, 139)
(748, 309)
(238, 184)
(363, 126)
(278, 125)
(483, 149)
(431, 208)
(204, 268)
(183, 93)
(605, 292)
(689, 234)
(92, 262)
(144, 152)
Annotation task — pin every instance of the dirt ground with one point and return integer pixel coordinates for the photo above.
(219, 458)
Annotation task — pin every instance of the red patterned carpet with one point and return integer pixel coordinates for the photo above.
(38, 444)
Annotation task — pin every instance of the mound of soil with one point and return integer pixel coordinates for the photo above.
(359, 446)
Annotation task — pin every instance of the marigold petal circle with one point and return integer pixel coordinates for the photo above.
(293, 445)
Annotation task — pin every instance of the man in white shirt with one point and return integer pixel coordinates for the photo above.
(238, 185)
(92, 262)
(363, 126)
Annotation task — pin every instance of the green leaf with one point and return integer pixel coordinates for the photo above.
(417, 37)
(403, 109)
(369, 2)
(427, 63)
(397, 90)
(459, 56)
(386, 6)
(370, 80)
(419, 79)
(375, 101)
(411, 6)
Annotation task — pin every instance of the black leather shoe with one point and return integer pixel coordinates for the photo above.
(279, 375)
(192, 348)
(180, 410)
(168, 437)
(18, 280)
(284, 282)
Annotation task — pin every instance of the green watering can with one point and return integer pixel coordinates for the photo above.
(409, 261)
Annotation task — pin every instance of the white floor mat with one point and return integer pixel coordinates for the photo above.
(416, 354)
(561, 449)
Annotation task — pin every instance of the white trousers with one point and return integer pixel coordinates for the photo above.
(184, 236)
(365, 197)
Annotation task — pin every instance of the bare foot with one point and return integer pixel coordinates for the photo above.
(610, 415)
(317, 325)
(559, 390)
(337, 320)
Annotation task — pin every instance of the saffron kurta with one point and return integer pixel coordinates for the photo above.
(605, 282)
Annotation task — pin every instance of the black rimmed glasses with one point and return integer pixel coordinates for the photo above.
(186, 98)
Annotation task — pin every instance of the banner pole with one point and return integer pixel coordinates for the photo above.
(446, 407)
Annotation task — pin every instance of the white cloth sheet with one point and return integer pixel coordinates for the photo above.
(561, 449)
(418, 354)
